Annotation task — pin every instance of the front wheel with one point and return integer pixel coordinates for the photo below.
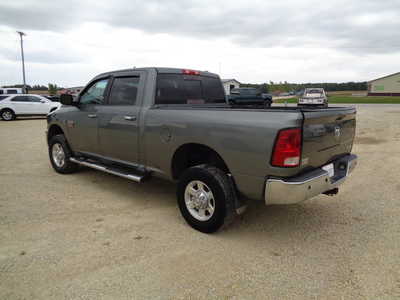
(60, 153)
(206, 198)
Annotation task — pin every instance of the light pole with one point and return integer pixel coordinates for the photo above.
(23, 60)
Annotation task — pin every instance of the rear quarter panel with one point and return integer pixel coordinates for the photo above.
(243, 138)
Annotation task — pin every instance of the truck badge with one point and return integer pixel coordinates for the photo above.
(337, 131)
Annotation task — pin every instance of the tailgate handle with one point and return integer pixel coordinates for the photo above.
(92, 116)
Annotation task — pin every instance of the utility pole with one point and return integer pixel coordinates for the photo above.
(23, 60)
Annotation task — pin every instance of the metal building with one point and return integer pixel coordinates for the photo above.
(230, 84)
(385, 86)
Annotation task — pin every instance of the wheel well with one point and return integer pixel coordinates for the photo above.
(190, 155)
(54, 130)
(6, 108)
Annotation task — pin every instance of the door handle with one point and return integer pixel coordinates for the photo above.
(92, 116)
(130, 118)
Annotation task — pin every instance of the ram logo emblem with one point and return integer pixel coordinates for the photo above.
(337, 132)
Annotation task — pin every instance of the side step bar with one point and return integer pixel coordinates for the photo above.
(115, 171)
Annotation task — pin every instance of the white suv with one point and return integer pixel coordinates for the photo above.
(313, 97)
(15, 105)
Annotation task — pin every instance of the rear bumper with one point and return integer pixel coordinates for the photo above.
(308, 185)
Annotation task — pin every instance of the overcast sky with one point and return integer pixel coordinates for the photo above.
(69, 42)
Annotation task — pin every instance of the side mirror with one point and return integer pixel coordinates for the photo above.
(66, 99)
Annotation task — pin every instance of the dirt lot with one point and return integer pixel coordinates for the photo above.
(96, 236)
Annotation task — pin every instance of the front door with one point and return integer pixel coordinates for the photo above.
(82, 123)
(119, 120)
(39, 105)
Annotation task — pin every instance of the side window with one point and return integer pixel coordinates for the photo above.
(95, 93)
(124, 91)
(1, 92)
(34, 99)
(11, 91)
(169, 89)
(20, 99)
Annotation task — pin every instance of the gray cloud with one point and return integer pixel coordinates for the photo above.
(46, 15)
(42, 56)
(362, 26)
(52, 53)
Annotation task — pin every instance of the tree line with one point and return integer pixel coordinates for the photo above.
(286, 87)
(270, 87)
(52, 88)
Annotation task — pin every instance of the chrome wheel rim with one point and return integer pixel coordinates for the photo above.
(199, 200)
(58, 155)
(7, 115)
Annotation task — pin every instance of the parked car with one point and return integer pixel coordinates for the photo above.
(249, 96)
(176, 124)
(13, 106)
(313, 97)
(6, 91)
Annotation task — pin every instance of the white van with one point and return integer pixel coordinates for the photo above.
(10, 91)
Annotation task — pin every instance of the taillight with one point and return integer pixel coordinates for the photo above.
(190, 72)
(287, 150)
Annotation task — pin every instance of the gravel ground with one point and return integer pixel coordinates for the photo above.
(92, 235)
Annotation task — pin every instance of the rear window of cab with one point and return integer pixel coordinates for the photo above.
(188, 89)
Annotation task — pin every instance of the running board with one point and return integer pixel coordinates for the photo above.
(111, 170)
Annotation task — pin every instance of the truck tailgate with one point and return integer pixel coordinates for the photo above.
(327, 134)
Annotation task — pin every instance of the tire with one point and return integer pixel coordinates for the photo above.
(60, 153)
(222, 198)
(7, 114)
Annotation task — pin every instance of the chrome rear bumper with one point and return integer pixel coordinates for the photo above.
(303, 187)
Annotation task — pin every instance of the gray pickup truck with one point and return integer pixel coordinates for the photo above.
(176, 124)
(246, 96)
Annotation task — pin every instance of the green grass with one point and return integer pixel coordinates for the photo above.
(366, 99)
(351, 99)
(289, 100)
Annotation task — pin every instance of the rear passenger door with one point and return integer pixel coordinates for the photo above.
(22, 105)
(119, 119)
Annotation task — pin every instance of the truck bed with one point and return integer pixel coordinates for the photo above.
(244, 137)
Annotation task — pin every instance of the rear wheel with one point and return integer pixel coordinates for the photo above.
(60, 153)
(206, 198)
(7, 114)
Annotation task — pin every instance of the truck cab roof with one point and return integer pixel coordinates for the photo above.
(161, 70)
